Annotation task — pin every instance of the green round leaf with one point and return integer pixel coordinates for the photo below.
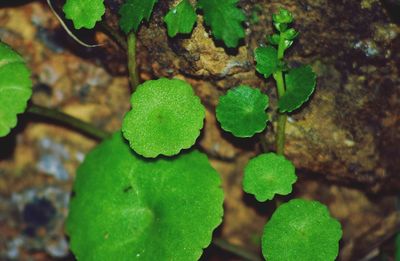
(301, 230)
(15, 88)
(267, 175)
(126, 207)
(300, 84)
(166, 117)
(181, 19)
(242, 111)
(84, 13)
(267, 60)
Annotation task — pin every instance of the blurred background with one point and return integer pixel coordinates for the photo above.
(345, 143)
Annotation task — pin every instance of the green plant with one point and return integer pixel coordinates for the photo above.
(314, 235)
(132, 202)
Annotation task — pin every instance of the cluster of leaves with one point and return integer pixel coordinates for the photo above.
(223, 17)
(299, 229)
(132, 202)
(300, 82)
(159, 208)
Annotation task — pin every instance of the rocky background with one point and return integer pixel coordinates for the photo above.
(344, 143)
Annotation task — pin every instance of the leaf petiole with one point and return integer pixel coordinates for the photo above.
(280, 83)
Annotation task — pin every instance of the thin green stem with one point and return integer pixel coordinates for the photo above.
(280, 83)
(236, 250)
(281, 47)
(65, 119)
(132, 65)
(282, 118)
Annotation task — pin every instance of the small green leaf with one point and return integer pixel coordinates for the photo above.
(301, 230)
(133, 12)
(84, 13)
(300, 84)
(166, 117)
(242, 111)
(284, 16)
(225, 20)
(181, 19)
(397, 255)
(290, 34)
(267, 60)
(128, 208)
(274, 39)
(267, 175)
(15, 88)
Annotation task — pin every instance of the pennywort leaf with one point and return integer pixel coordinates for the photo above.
(15, 88)
(301, 230)
(133, 12)
(225, 20)
(242, 111)
(166, 117)
(181, 19)
(128, 208)
(269, 174)
(84, 13)
(267, 60)
(300, 84)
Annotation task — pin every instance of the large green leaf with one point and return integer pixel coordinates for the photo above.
(242, 111)
(267, 60)
(300, 84)
(133, 12)
(84, 13)
(301, 230)
(225, 20)
(166, 117)
(126, 207)
(267, 175)
(15, 88)
(181, 18)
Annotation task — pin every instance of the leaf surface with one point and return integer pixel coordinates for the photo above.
(267, 60)
(15, 88)
(267, 175)
(166, 117)
(126, 207)
(300, 84)
(225, 20)
(242, 111)
(301, 230)
(133, 12)
(180, 19)
(84, 13)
